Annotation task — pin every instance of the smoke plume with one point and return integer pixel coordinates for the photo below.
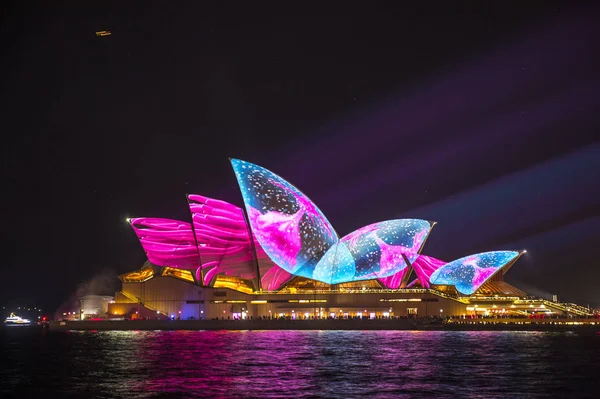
(103, 283)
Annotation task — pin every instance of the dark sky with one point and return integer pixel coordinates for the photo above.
(483, 117)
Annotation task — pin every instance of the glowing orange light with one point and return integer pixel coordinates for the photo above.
(185, 275)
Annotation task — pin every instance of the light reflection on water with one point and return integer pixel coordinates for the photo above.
(301, 364)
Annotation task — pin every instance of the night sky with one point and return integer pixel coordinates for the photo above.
(483, 117)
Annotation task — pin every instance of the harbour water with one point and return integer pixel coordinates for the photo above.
(299, 364)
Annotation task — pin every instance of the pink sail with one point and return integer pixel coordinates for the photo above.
(224, 244)
(395, 280)
(167, 242)
(282, 230)
(423, 267)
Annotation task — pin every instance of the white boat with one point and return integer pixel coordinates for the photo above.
(14, 320)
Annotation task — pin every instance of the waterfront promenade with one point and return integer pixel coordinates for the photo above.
(491, 324)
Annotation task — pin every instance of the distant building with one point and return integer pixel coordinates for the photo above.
(94, 306)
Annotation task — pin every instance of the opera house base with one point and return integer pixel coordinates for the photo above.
(165, 298)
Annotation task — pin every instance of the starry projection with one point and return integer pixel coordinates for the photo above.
(469, 273)
(298, 237)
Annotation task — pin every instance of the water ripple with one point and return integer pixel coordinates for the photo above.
(300, 364)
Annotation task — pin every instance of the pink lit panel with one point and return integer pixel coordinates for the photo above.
(393, 282)
(423, 266)
(224, 244)
(167, 242)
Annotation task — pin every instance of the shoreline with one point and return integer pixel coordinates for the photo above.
(326, 324)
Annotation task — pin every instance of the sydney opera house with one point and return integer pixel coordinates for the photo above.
(280, 257)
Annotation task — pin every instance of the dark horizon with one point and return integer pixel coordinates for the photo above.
(481, 117)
